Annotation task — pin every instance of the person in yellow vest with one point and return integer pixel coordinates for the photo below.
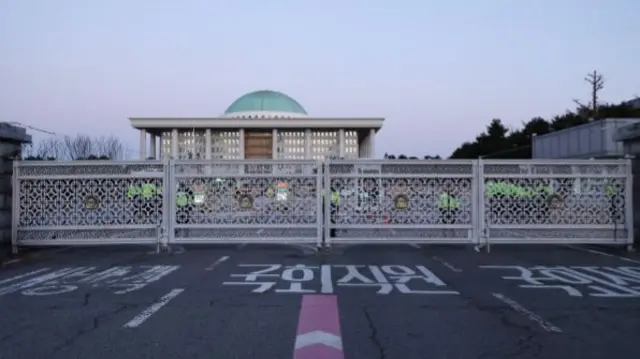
(615, 202)
(449, 205)
(147, 201)
(334, 208)
(184, 203)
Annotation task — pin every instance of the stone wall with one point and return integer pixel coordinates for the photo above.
(11, 140)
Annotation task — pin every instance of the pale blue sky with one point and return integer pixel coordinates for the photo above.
(439, 71)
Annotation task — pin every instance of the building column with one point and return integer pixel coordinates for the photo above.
(241, 135)
(207, 144)
(362, 148)
(174, 144)
(143, 144)
(276, 144)
(372, 143)
(365, 147)
(307, 144)
(341, 143)
(153, 148)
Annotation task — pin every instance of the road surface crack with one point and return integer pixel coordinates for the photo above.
(374, 335)
(95, 324)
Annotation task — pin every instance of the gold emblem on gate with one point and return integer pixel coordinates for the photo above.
(245, 201)
(91, 202)
(401, 202)
(554, 201)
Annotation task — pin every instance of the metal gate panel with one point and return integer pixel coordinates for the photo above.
(398, 201)
(588, 201)
(84, 202)
(245, 201)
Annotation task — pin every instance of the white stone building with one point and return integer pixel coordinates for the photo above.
(259, 125)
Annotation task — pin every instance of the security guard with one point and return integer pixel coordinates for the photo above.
(334, 207)
(147, 200)
(612, 193)
(449, 206)
(184, 199)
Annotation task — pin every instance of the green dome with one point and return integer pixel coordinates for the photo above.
(265, 100)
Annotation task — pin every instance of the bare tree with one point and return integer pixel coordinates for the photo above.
(78, 147)
(110, 147)
(596, 81)
(50, 148)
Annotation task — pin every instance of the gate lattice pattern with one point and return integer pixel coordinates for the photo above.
(437, 201)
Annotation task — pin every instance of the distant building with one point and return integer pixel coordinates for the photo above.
(258, 125)
(635, 103)
(596, 139)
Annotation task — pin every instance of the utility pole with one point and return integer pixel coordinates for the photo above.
(596, 81)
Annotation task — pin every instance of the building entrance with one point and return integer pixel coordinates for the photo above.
(258, 145)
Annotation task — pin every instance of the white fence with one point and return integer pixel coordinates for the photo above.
(411, 201)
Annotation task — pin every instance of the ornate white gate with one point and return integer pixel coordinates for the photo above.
(86, 202)
(402, 201)
(245, 201)
(430, 201)
(561, 201)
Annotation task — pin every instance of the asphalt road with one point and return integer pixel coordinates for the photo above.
(128, 303)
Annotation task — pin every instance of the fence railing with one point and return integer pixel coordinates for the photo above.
(367, 201)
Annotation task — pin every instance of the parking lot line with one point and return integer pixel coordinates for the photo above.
(147, 313)
(24, 275)
(593, 251)
(527, 313)
(216, 263)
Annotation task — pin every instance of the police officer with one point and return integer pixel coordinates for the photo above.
(184, 197)
(612, 193)
(147, 200)
(449, 205)
(334, 208)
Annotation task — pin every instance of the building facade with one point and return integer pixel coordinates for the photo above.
(259, 125)
(596, 139)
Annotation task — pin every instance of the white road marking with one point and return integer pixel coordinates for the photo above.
(38, 280)
(216, 263)
(592, 251)
(527, 313)
(11, 261)
(318, 337)
(447, 264)
(325, 279)
(24, 275)
(414, 245)
(147, 313)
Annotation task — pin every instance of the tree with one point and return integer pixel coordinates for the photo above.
(499, 142)
(388, 156)
(596, 81)
(80, 147)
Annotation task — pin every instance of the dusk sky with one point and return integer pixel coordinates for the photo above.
(438, 71)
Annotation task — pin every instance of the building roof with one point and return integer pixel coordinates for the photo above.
(265, 101)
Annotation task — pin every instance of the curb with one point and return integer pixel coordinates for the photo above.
(26, 254)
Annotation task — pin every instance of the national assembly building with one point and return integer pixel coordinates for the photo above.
(258, 125)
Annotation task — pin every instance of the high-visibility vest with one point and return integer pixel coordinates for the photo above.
(449, 202)
(334, 197)
(182, 199)
(146, 191)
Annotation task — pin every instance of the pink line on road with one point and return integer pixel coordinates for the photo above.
(318, 334)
